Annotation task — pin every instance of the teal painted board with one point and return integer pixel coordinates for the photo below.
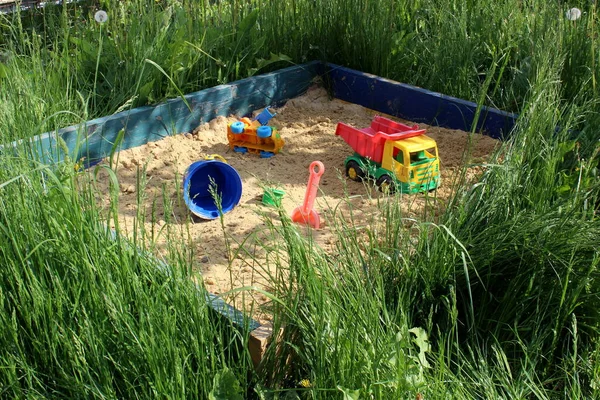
(216, 303)
(95, 139)
(416, 104)
(237, 318)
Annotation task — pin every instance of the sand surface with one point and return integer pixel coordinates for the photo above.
(307, 124)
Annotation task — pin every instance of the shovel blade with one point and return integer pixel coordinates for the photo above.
(312, 218)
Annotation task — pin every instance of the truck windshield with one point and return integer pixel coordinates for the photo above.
(422, 156)
(398, 156)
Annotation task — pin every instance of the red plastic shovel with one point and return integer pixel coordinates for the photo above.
(305, 214)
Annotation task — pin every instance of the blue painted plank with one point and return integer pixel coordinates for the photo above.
(416, 104)
(95, 138)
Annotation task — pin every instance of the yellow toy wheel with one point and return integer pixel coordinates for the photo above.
(386, 184)
(354, 171)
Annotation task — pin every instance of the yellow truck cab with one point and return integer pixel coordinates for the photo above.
(414, 162)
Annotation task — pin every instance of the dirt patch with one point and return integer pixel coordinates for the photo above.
(307, 124)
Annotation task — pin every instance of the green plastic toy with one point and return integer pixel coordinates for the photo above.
(272, 197)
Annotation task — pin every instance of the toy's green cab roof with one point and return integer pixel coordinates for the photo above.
(417, 143)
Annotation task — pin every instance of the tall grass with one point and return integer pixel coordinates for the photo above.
(526, 272)
(497, 299)
(50, 55)
(86, 313)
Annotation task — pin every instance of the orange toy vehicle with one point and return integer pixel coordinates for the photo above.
(255, 136)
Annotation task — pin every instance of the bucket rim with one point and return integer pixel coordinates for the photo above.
(236, 194)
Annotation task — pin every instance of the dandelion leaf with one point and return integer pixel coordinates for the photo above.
(225, 386)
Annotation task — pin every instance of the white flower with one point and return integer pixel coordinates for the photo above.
(573, 14)
(101, 16)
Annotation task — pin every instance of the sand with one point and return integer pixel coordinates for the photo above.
(307, 124)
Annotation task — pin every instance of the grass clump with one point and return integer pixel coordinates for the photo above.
(498, 299)
(59, 58)
(85, 313)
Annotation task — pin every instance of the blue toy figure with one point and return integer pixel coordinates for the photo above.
(265, 116)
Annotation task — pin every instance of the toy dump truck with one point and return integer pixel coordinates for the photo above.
(396, 156)
(255, 136)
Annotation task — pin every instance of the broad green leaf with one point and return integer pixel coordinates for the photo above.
(3, 71)
(158, 67)
(349, 394)
(262, 63)
(145, 91)
(116, 144)
(84, 45)
(249, 21)
(421, 340)
(225, 386)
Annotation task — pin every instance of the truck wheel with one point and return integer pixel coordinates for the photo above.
(264, 132)
(237, 127)
(386, 184)
(266, 154)
(354, 171)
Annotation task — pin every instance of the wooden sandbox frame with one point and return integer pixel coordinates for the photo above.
(94, 139)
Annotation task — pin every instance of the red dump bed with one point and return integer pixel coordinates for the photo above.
(369, 142)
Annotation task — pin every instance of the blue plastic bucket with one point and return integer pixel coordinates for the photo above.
(196, 184)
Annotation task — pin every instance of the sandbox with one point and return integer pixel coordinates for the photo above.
(307, 124)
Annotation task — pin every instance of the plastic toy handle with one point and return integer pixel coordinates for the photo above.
(316, 169)
(215, 157)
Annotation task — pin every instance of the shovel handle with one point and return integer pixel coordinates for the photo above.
(316, 169)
